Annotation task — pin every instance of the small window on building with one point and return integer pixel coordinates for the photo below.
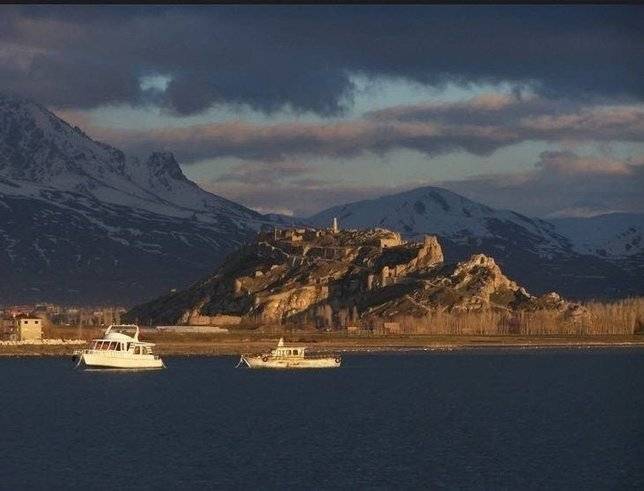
(295, 352)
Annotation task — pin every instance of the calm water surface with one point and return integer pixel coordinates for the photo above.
(470, 419)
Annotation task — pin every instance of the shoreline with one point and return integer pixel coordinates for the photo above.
(227, 345)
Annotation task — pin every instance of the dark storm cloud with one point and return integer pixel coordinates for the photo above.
(302, 56)
(479, 125)
(576, 185)
(286, 195)
(573, 184)
(254, 173)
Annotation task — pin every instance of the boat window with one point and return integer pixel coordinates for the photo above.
(295, 352)
(137, 350)
(118, 347)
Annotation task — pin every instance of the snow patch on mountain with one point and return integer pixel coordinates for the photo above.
(82, 221)
(432, 210)
(610, 235)
(43, 152)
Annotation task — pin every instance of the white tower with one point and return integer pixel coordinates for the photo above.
(335, 225)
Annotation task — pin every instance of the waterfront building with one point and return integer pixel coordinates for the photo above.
(29, 327)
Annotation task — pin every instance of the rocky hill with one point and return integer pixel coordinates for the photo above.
(582, 258)
(81, 222)
(314, 275)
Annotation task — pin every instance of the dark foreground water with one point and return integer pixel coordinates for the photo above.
(471, 419)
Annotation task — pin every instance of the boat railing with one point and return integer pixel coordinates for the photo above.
(307, 355)
(112, 352)
(319, 355)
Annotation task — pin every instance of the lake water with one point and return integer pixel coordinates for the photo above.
(467, 419)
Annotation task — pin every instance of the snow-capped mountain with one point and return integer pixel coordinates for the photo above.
(613, 235)
(80, 221)
(534, 251)
(432, 210)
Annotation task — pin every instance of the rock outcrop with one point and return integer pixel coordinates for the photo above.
(302, 275)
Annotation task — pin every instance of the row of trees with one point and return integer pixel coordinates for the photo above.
(623, 317)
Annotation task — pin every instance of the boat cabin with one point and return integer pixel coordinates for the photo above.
(116, 340)
(109, 345)
(288, 351)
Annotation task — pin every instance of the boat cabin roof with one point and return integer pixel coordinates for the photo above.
(118, 336)
(283, 350)
(115, 333)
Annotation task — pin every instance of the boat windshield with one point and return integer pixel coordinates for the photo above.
(107, 345)
(289, 352)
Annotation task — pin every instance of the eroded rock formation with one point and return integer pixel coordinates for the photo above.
(297, 275)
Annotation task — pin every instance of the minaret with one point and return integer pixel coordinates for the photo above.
(335, 225)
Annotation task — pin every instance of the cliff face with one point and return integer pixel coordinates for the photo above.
(302, 275)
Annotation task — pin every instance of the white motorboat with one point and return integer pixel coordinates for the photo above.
(116, 349)
(290, 357)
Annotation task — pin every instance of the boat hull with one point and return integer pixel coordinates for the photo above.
(107, 361)
(267, 362)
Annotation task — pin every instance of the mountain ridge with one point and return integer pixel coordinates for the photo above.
(82, 222)
(535, 251)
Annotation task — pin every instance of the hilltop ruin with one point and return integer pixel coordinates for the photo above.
(336, 277)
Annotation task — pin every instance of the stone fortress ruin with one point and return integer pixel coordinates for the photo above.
(300, 275)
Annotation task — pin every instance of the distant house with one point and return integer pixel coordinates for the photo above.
(28, 327)
(8, 331)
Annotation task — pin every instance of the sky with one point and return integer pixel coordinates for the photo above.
(292, 109)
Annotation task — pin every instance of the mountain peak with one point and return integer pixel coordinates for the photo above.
(41, 150)
(164, 164)
(38, 146)
(80, 219)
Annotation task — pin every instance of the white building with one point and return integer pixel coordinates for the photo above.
(29, 328)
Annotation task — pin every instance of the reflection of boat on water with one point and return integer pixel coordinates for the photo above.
(116, 349)
(290, 357)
